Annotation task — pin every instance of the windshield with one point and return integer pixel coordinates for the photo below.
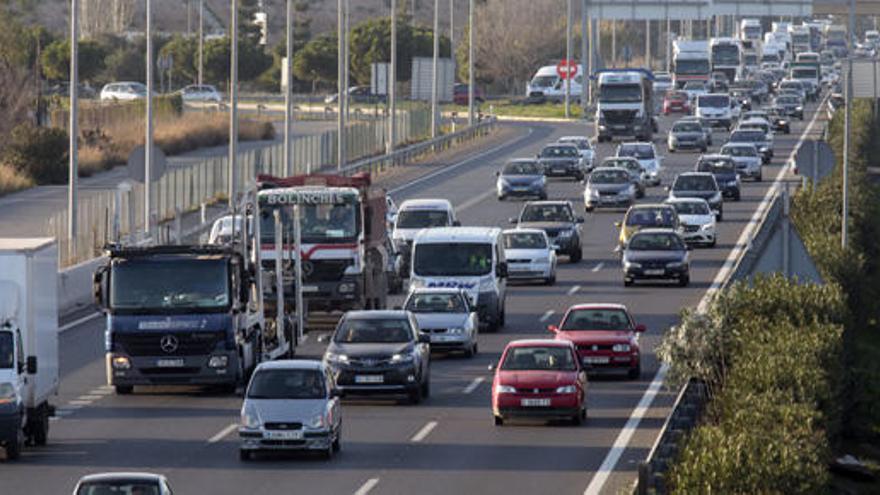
(716, 166)
(691, 67)
(655, 242)
(373, 331)
(449, 259)
(549, 358)
(747, 136)
(543, 81)
(714, 101)
(546, 213)
(725, 55)
(7, 356)
(559, 152)
(287, 384)
(144, 284)
(582, 144)
(620, 93)
(650, 217)
(610, 176)
(637, 151)
(787, 100)
(522, 168)
(800, 38)
(687, 127)
(803, 73)
(524, 240)
(118, 488)
(753, 32)
(694, 183)
(436, 303)
(695, 85)
(322, 223)
(596, 319)
(691, 208)
(739, 151)
(677, 96)
(421, 219)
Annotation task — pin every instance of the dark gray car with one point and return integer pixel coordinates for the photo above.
(521, 177)
(558, 220)
(562, 160)
(656, 254)
(380, 353)
(699, 185)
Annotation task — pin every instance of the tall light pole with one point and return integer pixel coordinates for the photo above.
(668, 44)
(471, 62)
(585, 78)
(233, 106)
(851, 31)
(340, 85)
(435, 84)
(568, 19)
(73, 169)
(614, 42)
(347, 68)
(392, 76)
(288, 104)
(648, 43)
(148, 141)
(201, 41)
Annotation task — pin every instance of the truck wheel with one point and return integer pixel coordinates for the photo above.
(13, 448)
(124, 389)
(40, 428)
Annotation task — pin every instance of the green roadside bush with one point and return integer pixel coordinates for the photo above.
(38, 152)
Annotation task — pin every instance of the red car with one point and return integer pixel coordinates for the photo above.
(460, 94)
(539, 379)
(676, 102)
(606, 337)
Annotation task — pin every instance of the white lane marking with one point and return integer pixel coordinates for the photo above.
(79, 403)
(461, 163)
(367, 486)
(56, 418)
(475, 200)
(68, 408)
(598, 267)
(78, 322)
(622, 441)
(424, 432)
(574, 289)
(547, 314)
(101, 391)
(90, 397)
(223, 433)
(474, 384)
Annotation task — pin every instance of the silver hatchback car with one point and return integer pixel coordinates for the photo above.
(447, 316)
(291, 405)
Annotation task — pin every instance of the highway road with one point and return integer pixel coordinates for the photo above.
(447, 444)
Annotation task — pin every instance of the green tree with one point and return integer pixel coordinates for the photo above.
(252, 60)
(126, 63)
(56, 60)
(302, 33)
(183, 52)
(316, 62)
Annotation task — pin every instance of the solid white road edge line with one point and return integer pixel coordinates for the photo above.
(367, 486)
(546, 316)
(424, 432)
(223, 433)
(78, 322)
(622, 441)
(474, 384)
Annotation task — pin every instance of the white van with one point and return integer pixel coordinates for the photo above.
(414, 215)
(547, 84)
(715, 108)
(466, 258)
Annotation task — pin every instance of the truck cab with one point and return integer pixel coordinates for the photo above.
(691, 61)
(625, 107)
(727, 57)
(546, 85)
(417, 214)
(181, 315)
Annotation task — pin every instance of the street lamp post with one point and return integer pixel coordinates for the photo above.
(233, 107)
(73, 170)
(288, 104)
(470, 62)
(201, 41)
(435, 84)
(148, 142)
(392, 76)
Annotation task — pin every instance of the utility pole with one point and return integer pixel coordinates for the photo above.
(233, 106)
(851, 32)
(668, 44)
(201, 41)
(568, 20)
(614, 43)
(470, 62)
(435, 85)
(288, 104)
(73, 169)
(648, 43)
(392, 76)
(148, 142)
(585, 57)
(340, 85)
(347, 46)
(591, 65)
(452, 29)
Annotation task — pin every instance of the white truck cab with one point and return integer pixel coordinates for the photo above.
(547, 84)
(467, 258)
(414, 215)
(715, 108)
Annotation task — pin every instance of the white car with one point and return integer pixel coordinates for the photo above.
(698, 222)
(530, 255)
(662, 83)
(447, 316)
(224, 230)
(123, 91)
(694, 89)
(747, 158)
(200, 94)
(647, 156)
(588, 154)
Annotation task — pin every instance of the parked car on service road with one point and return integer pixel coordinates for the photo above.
(123, 91)
(656, 254)
(460, 94)
(521, 177)
(204, 93)
(447, 316)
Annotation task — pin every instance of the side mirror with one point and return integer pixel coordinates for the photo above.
(31, 365)
(552, 328)
(497, 173)
(618, 224)
(579, 219)
(424, 338)
(98, 283)
(513, 220)
(491, 367)
(501, 270)
(641, 328)
(456, 223)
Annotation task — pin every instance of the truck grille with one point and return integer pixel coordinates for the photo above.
(325, 270)
(188, 343)
(619, 116)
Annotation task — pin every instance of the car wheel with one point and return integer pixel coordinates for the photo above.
(713, 243)
(551, 280)
(501, 197)
(327, 453)
(576, 255)
(337, 442)
(737, 197)
(426, 388)
(40, 428)
(244, 455)
(588, 209)
(13, 448)
(577, 419)
(671, 150)
(635, 373)
(471, 351)
(499, 421)
(543, 196)
(124, 389)
(684, 281)
(704, 149)
(415, 395)
(760, 176)
(627, 282)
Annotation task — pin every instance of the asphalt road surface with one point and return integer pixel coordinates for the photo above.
(448, 443)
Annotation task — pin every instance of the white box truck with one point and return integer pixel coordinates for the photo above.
(28, 341)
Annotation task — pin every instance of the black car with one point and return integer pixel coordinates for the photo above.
(724, 169)
(790, 106)
(699, 185)
(380, 353)
(558, 220)
(779, 120)
(562, 160)
(656, 254)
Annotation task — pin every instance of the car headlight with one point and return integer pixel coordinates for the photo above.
(566, 389)
(716, 198)
(565, 234)
(631, 264)
(505, 389)
(621, 348)
(250, 418)
(336, 358)
(318, 421)
(218, 361)
(799, 109)
(7, 393)
(402, 357)
(673, 139)
(708, 226)
(455, 331)
(675, 264)
(592, 193)
(121, 363)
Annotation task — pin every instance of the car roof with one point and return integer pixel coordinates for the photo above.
(377, 314)
(686, 200)
(122, 476)
(700, 174)
(636, 143)
(572, 138)
(434, 290)
(648, 205)
(540, 342)
(654, 230)
(458, 234)
(551, 202)
(524, 230)
(291, 364)
(425, 204)
(597, 306)
(560, 145)
(714, 156)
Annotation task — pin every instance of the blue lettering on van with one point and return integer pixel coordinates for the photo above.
(451, 284)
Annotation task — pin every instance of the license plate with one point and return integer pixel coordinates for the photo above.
(369, 379)
(170, 363)
(310, 288)
(658, 271)
(284, 435)
(535, 402)
(596, 359)
(444, 338)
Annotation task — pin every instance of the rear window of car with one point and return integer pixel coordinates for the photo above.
(280, 384)
(747, 136)
(522, 168)
(651, 217)
(639, 151)
(739, 151)
(713, 101)
(436, 303)
(687, 127)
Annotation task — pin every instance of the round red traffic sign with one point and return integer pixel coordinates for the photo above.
(567, 69)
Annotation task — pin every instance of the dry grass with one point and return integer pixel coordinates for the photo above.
(12, 180)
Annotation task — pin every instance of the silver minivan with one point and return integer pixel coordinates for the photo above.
(291, 405)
